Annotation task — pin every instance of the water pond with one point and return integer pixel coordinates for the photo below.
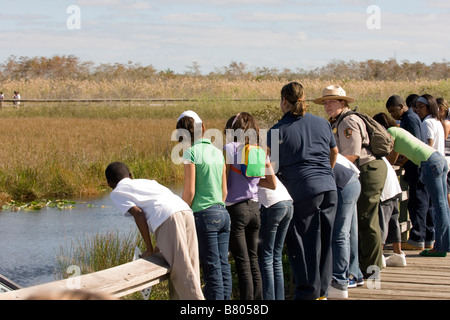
(30, 240)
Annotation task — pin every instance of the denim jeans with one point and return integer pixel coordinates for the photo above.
(434, 176)
(274, 224)
(346, 213)
(245, 225)
(420, 209)
(353, 268)
(213, 233)
(309, 245)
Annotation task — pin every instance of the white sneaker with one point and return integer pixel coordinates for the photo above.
(396, 260)
(334, 293)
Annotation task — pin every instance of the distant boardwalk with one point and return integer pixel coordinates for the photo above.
(423, 279)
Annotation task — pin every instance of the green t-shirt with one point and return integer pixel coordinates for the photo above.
(209, 162)
(409, 146)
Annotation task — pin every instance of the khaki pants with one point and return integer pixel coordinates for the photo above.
(372, 177)
(177, 240)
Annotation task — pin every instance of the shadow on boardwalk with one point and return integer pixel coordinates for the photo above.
(422, 279)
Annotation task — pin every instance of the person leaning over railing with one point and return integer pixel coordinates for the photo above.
(434, 169)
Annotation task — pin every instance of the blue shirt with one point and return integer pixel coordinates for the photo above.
(304, 155)
(411, 122)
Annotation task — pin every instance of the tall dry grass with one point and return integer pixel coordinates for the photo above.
(204, 88)
(61, 150)
(44, 157)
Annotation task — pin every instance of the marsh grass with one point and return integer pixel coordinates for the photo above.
(103, 251)
(60, 150)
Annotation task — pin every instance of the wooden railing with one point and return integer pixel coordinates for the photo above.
(140, 274)
(11, 101)
(116, 282)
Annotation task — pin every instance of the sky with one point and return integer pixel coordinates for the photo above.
(173, 34)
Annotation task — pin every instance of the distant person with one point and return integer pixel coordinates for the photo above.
(421, 235)
(434, 174)
(205, 190)
(16, 98)
(157, 210)
(308, 153)
(352, 140)
(2, 97)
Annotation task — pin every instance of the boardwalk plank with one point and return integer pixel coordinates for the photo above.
(422, 279)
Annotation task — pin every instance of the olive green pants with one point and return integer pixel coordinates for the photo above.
(370, 249)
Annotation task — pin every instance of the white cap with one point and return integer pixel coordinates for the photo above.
(191, 114)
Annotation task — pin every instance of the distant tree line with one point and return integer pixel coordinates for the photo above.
(63, 67)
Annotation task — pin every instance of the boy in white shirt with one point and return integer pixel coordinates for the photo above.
(157, 210)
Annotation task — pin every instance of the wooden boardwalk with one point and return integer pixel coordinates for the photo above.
(422, 279)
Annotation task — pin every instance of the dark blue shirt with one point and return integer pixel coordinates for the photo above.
(411, 122)
(304, 155)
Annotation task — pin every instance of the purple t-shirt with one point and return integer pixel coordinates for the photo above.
(240, 188)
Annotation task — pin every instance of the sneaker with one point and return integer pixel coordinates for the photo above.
(429, 244)
(334, 293)
(396, 260)
(353, 282)
(409, 246)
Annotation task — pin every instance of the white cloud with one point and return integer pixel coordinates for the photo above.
(115, 4)
(228, 3)
(272, 35)
(192, 17)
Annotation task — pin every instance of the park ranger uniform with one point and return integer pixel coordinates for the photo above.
(351, 138)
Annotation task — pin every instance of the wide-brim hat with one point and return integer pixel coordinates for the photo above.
(333, 93)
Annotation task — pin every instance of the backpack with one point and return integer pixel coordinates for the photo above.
(381, 142)
(253, 162)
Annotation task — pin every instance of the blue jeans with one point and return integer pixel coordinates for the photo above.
(346, 214)
(274, 225)
(434, 176)
(213, 233)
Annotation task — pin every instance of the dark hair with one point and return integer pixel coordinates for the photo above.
(229, 123)
(117, 171)
(294, 93)
(411, 100)
(187, 123)
(386, 121)
(394, 101)
(433, 107)
(247, 125)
